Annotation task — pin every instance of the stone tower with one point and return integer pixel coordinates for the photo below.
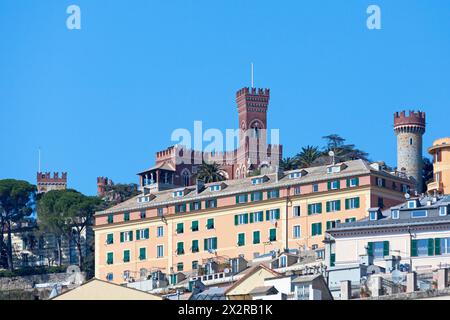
(409, 130)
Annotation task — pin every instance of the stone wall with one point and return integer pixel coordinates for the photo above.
(28, 282)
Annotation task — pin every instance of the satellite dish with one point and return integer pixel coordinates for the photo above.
(407, 195)
(331, 153)
(73, 269)
(373, 269)
(226, 270)
(397, 276)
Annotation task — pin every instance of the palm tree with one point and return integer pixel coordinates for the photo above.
(288, 163)
(210, 172)
(307, 156)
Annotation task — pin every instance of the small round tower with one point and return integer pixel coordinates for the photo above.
(409, 129)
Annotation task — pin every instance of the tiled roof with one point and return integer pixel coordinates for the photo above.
(314, 174)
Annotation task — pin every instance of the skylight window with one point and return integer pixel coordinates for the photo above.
(412, 204)
(178, 194)
(295, 175)
(257, 180)
(443, 211)
(395, 214)
(419, 214)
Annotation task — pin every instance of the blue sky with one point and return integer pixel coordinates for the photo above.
(102, 100)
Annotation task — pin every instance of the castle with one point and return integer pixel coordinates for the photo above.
(45, 182)
(177, 166)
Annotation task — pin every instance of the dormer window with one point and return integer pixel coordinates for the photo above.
(412, 204)
(419, 214)
(443, 211)
(214, 188)
(395, 214)
(336, 168)
(178, 194)
(297, 174)
(257, 181)
(373, 215)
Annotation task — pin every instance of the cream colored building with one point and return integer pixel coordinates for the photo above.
(441, 166)
(177, 230)
(96, 289)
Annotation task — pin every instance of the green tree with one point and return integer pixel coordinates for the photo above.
(342, 151)
(67, 214)
(16, 201)
(307, 156)
(210, 172)
(288, 163)
(427, 172)
(117, 193)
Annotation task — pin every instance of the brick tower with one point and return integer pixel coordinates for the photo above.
(252, 106)
(409, 130)
(45, 182)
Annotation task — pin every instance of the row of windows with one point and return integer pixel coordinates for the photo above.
(208, 245)
(141, 234)
(257, 237)
(419, 247)
(195, 226)
(331, 206)
(253, 217)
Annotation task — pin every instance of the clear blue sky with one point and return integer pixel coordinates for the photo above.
(102, 100)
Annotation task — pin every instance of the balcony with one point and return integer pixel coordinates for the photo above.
(435, 186)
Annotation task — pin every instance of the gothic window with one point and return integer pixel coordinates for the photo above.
(186, 178)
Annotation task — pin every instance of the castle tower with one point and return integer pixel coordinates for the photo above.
(252, 106)
(102, 182)
(45, 182)
(409, 130)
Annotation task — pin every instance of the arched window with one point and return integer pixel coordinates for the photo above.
(410, 141)
(186, 178)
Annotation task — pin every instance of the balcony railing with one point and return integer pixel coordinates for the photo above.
(435, 185)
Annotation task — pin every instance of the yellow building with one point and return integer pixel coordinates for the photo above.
(178, 230)
(441, 166)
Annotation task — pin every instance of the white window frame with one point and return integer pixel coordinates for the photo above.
(256, 181)
(215, 188)
(297, 190)
(177, 194)
(353, 182)
(241, 219)
(256, 216)
(333, 205)
(295, 234)
(426, 214)
(294, 214)
(283, 262)
(412, 204)
(395, 214)
(158, 247)
(159, 231)
(315, 185)
(334, 185)
(373, 215)
(352, 203)
(443, 211)
(142, 234)
(126, 236)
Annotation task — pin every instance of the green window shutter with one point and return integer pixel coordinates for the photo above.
(357, 181)
(273, 235)
(261, 215)
(338, 184)
(319, 208)
(348, 182)
(328, 206)
(347, 205)
(370, 248)
(236, 219)
(251, 216)
(194, 245)
(430, 247)
(237, 199)
(110, 258)
(338, 205)
(122, 237)
(329, 185)
(319, 228)
(180, 228)
(245, 218)
(205, 244)
(252, 197)
(268, 194)
(277, 214)
(191, 206)
(246, 198)
(214, 243)
(194, 226)
(309, 209)
(142, 254)
(147, 233)
(210, 224)
(313, 229)
(138, 235)
(328, 225)
(357, 202)
(241, 239)
(332, 260)
(206, 204)
(437, 246)
(267, 215)
(256, 237)
(126, 256)
(385, 248)
(131, 235)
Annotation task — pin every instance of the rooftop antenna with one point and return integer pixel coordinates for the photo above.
(332, 155)
(253, 84)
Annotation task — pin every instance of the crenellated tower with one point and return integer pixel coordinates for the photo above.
(46, 182)
(409, 129)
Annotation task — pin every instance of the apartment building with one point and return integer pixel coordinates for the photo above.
(178, 230)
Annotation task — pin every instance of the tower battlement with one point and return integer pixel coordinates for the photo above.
(246, 91)
(413, 118)
(47, 182)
